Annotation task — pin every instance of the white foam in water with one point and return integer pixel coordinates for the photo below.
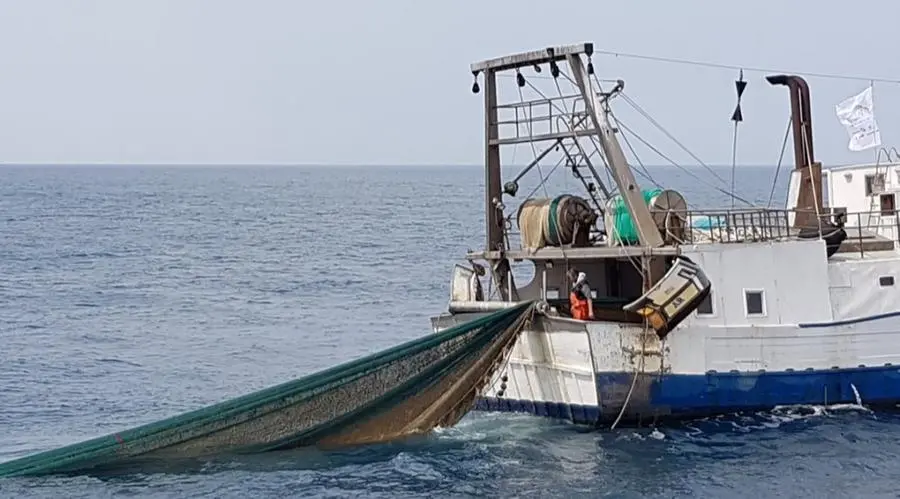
(856, 395)
(858, 406)
(775, 418)
(493, 425)
(483, 426)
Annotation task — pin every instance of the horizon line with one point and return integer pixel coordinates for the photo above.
(324, 165)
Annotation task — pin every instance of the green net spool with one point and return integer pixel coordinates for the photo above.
(553, 221)
(623, 226)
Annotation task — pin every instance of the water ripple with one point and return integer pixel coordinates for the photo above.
(132, 294)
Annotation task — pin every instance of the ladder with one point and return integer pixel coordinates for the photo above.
(880, 184)
(577, 160)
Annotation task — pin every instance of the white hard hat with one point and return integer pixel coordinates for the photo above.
(581, 277)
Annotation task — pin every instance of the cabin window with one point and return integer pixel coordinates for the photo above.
(874, 183)
(552, 294)
(887, 205)
(706, 306)
(755, 302)
(886, 280)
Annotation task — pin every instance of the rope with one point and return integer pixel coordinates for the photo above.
(640, 367)
(833, 76)
(607, 111)
(787, 134)
(527, 321)
(714, 65)
(686, 171)
(812, 181)
(530, 135)
(643, 171)
(631, 259)
(733, 160)
(637, 369)
(662, 129)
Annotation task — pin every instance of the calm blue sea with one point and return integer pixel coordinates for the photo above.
(131, 294)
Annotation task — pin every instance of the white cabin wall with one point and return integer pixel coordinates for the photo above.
(848, 190)
(792, 275)
(779, 348)
(855, 289)
(802, 287)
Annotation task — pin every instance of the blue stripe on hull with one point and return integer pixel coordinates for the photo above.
(687, 396)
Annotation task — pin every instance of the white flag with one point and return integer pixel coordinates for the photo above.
(858, 117)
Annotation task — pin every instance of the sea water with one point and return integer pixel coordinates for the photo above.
(129, 294)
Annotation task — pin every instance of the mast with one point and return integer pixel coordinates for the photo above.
(631, 193)
(598, 126)
(492, 194)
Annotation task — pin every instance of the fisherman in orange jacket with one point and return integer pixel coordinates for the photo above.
(580, 302)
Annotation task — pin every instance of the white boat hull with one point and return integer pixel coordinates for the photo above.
(584, 372)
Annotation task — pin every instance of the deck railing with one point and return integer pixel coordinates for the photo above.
(727, 226)
(866, 231)
(761, 224)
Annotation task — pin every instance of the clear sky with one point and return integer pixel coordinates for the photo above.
(387, 82)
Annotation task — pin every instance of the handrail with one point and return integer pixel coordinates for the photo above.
(768, 224)
(696, 226)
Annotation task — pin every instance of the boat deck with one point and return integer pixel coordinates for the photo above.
(857, 241)
(864, 241)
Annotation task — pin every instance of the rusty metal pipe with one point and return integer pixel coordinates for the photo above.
(801, 118)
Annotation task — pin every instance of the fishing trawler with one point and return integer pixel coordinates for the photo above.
(695, 312)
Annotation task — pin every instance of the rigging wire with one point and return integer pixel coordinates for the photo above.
(585, 157)
(685, 170)
(752, 69)
(737, 117)
(816, 201)
(787, 134)
(554, 105)
(649, 118)
(700, 63)
(732, 67)
(520, 81)
(559, 162)
(635, 262)
(733, 160)
(645, 173)
(566, 108)
(564, 112)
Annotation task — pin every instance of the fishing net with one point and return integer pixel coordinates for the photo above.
(562, 220)
(409, 389)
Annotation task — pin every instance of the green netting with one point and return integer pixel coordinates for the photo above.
(407, 389)
(553, 221)
(625, 232)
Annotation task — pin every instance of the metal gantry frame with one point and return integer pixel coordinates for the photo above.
(592, 121)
